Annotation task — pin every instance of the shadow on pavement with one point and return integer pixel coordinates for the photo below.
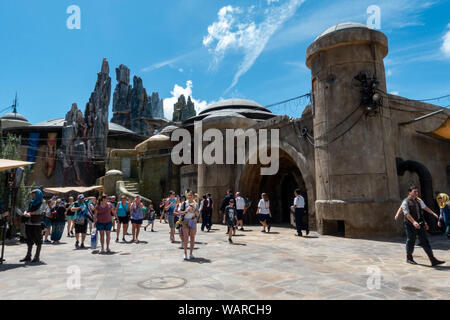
(199, 260)
(238, 244)
(6, 267)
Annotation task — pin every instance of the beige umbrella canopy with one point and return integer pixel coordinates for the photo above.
(6, 164)
(73, 189)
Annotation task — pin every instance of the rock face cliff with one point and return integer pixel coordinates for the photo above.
(122, 96)
(96, 114)
(131, 104)
(183, 110)
(84, 138)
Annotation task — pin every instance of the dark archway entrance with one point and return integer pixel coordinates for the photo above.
(279, 187)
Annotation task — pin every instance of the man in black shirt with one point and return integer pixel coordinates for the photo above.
(416, 226)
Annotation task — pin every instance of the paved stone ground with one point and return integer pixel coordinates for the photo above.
(258, 266)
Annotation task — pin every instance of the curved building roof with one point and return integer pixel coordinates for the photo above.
(59, 123)
(342, 26)
(13, 116)
(234, 108)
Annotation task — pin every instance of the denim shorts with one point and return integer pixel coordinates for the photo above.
(104, 226)
(171, 219)
(263, 217)
(133, 221)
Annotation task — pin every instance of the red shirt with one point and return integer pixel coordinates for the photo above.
(104, 213)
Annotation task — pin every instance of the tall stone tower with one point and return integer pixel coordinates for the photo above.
(356, 178)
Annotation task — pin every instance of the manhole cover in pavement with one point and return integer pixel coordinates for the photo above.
(411, 289)
(162, 283)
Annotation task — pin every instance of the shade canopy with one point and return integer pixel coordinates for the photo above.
(6, 164)
(72, 189)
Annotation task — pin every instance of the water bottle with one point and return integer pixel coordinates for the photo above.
(94, 239)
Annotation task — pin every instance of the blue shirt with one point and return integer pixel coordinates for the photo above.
(122, 210)
(173, 204)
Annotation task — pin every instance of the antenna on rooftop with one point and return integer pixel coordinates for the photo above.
(15, 105)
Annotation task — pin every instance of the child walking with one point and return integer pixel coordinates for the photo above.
(230, 219)
(151, 218)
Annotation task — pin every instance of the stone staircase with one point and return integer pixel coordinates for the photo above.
(132, 186)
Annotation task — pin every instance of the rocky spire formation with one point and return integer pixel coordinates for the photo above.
(157, 106)
(96, 114)
(84, 138)
(182, 110)
(122, 96)
(138, 105)
(131, 105)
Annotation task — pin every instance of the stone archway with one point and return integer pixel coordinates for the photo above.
(279, 187)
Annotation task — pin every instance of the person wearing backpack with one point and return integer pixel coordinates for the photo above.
(81, 208)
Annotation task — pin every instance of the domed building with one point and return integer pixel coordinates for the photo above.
(11, 120)
(352, 153)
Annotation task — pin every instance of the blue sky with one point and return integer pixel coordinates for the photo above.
(210, 49)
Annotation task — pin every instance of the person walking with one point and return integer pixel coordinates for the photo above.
(230, 218)
(81, 207)
(33, 225)
(416, 226)
(169, 208)
(204, 211)
(181, 206)
(49, 213)
(162, 210)
(137, 217)
(123, 214)
(103, 218)
(263, 212)
(189, 224)
(209, 211)
(444, 218)
(113, 201)
(70, 217)
(225, 203)
(151, 217)
(58, 222)
(299, 213)
(240, 210)
(90, 213)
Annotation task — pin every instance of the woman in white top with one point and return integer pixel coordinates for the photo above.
(191, 215)
(263, 212)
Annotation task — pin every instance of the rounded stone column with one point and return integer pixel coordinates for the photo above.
(356, 179)
(218, 178)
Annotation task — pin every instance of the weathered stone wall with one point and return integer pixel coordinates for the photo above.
(188, 178)
(412, 144)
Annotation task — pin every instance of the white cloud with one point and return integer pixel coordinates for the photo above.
(247, 31)
(388, 73)
(170, 62)
(395, 93)
(161, 64)
(446, 44)
(176, 93)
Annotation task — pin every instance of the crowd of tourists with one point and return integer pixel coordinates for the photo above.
(48, 219)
